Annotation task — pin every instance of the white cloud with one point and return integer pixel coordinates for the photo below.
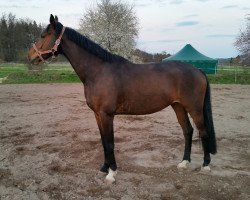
(176, 1)
(187, 23)
(230, 6)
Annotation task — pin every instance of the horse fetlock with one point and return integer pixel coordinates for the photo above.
(104, 168)
(183, 164)
(110, 178)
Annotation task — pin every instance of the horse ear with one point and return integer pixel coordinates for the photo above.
(56, 19)
(52, 20)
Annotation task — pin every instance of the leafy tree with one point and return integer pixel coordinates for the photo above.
(242, 43)
(113, 25)
(16, 35)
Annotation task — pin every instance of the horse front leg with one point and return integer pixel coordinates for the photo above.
(105, 124)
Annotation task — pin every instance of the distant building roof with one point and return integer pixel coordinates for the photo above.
(189, 53)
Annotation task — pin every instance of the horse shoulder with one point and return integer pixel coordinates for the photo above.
(102, 93)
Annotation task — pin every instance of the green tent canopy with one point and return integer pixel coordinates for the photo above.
(189, 54)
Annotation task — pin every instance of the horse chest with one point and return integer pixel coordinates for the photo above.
(99, 100)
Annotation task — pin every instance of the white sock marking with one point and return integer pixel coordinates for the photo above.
(206, 168)
(183, 164)
(110, 178)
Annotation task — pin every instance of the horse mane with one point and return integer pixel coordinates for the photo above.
(89, 45)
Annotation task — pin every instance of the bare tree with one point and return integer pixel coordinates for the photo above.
(113, 25)
(242, 43)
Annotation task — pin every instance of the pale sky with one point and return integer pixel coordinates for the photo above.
(211, 26)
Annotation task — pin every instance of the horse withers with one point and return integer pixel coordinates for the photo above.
(113, 86)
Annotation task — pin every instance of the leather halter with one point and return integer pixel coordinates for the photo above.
(52, 50)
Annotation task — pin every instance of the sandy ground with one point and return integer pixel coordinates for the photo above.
(50, 149)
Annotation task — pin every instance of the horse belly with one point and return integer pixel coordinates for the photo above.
(145, 104)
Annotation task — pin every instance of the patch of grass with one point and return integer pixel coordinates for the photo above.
(64, 73)
(231, 75)
(42, 77)
(7, 69)
(54, 73)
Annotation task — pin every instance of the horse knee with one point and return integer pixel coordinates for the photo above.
(201, 128)
(199, 123)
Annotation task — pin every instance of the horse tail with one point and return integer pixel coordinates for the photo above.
(208, 120)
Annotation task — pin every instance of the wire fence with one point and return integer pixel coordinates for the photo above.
(231, 74)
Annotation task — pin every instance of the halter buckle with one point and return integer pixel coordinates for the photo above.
(57, 42)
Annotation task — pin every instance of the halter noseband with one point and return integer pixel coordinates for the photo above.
(52, 50)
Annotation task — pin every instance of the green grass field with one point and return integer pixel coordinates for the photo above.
(231, 75)
(64, 73)
(54, 73)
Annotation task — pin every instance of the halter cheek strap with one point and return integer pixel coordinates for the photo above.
(52, 50)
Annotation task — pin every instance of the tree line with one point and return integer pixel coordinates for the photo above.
(16, 36)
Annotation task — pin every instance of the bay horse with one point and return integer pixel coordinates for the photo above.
(113, 86)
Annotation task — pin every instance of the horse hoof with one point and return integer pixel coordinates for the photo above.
(183, 164)
(109, 181)
(205, 169)
(110, 178)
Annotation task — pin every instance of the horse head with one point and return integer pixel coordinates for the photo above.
(47, 45)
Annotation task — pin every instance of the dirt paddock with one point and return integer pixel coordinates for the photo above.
(50, 148)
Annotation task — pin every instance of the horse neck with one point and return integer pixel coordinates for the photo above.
(86, 65)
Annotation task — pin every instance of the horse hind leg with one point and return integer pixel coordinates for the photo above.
(187, 128)
(200, 124)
